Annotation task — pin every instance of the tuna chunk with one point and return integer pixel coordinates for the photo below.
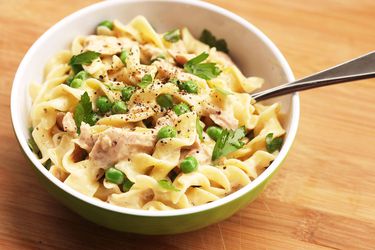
(149, 51)
(201, 151)
(65, 122)
(68, 123)
(86, 139)
(116, 144)
(107, 45)
(181, 58)
(225, 119)
(166, 70)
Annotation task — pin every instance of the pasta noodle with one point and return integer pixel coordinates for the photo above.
(151, 121)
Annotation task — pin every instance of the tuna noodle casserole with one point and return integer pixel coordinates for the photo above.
(151, 121)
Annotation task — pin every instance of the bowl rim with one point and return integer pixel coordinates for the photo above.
(295, 107)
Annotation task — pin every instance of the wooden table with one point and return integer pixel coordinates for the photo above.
(324, 196)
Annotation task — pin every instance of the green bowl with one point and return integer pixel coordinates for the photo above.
(249, 47)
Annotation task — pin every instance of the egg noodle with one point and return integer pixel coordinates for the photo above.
(151, 121)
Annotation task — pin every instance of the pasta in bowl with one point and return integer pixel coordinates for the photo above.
(151, 121)
(131, 120)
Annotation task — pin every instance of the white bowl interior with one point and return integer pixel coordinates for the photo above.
(250, 49)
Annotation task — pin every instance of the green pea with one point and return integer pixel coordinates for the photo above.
(114, 175)
(76, 83)
(103, 104)
(107, 24)
(69, 80)
(127, 185)
(189, 164)
(83, 75)
(181, 108)
(123, 56)
(188, 86)
(214, 132)
(166, 132)
(119, 107)
(127, 92)
(165, 100)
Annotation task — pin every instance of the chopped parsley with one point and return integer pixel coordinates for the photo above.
(113, 87)
(273, 144)
(223, 91)
(209, 39)
(157, 58)
(84, 112)
(199, 129)
(167, 185)
(86, 57)
(206, 71)
(32, 144)
(146, 80)
(48, 164)
(228, 142)
(172, 36)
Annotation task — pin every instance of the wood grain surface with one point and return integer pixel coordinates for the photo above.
(322, 198)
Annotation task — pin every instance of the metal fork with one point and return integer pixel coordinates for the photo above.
(359, 68)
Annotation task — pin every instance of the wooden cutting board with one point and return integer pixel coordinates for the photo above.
(322, 198)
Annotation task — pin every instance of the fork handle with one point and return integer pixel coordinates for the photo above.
(359, 68)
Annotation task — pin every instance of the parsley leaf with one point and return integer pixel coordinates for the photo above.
(228, 142)
(84, 58)
(157, 58)
(84, 112)
(198, 59)
(273, 144)
(206, 71)
(209, 39)
(146, 80)
(172, 36)
(223, 91)
(199, 129)
(32, 144)
(113, 87)
(48, 164)
(167, 185)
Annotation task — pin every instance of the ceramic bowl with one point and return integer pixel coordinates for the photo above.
(254, 53)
